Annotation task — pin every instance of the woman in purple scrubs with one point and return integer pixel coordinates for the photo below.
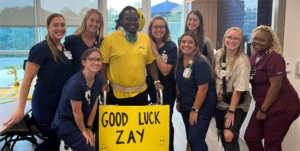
(277, 103)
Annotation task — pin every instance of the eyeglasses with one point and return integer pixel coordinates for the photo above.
(93, 60)
(156, 27)
(235, 39)
(131, 19)
(259, 40)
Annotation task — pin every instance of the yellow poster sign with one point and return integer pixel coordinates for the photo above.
(134, 128)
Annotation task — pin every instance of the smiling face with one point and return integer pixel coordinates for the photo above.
(193, 22)
(158, 29)
(162, 142)
(261, 41)
(103, 148)
(187, 45)
(91, 64)
(57, 28)
(130, 21)
(232, 40)
(93, 23)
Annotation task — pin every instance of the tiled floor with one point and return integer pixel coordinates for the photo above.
(179, 142)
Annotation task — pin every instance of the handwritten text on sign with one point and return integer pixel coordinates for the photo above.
(134, 128)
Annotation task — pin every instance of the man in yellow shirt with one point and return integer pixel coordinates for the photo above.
(126, 52)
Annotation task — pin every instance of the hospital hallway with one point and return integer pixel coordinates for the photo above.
(179, 138)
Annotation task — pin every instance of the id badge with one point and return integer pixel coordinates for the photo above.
(68, 54)
(164, 57)
(88, 95)
(187, 73)
(223, 73)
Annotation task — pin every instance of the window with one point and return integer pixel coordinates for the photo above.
(171, 11)
(17, 36)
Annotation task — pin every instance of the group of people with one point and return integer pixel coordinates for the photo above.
(203, 84)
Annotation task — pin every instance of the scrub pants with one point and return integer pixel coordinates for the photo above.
(44, 117)
(168, 99)
(196, 134)
(273, 129)
(75, 140)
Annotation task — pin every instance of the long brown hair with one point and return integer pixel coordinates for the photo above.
(51, 44)
(83, 25)
(238, 53)
(167, 36)
(200, 29)
(196, 53)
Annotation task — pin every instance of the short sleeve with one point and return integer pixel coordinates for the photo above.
(242, 77)
(37, 54)
(105, 50)
(172, 54)
(201, 72)
(275, 66)
(74, 91)
(150, 55)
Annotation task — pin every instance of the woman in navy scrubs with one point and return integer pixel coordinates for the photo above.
(195, 91)
(88, 35)
(53, 67)
(78, 104)
(165, 52)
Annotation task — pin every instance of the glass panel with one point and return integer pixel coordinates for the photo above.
(6, 62)
(171, 11)
(12, 41)
(17, 13)
(72, 10)
(114, 7)
(17, 38)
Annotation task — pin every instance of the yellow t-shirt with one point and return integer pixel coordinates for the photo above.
(126, 61)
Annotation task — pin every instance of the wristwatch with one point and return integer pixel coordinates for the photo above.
(89, 127)
(195, 110)
(230, 111)
(263, 111)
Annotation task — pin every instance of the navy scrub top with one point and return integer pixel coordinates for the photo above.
(168, 81)
(76, 45)
(75, 90)
(51, 76)
(188, 88)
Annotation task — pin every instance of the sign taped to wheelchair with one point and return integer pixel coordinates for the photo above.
(134, 128)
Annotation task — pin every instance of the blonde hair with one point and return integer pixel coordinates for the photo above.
(167, 36)
(51, 44)
(196, 53)
(238, 53)
(274, 46)
(83, 25)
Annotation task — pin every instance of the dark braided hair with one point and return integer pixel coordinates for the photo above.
(118, 21)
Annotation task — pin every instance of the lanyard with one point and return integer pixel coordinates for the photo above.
(224, 65)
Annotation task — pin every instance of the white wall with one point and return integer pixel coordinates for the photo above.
(291, 53)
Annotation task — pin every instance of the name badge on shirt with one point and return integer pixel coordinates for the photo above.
(223, 73)
(164, 56)
(187, 73)
(68, 54)
(88, 96)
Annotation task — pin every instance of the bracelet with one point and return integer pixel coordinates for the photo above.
(158, 57)
(156, 81)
